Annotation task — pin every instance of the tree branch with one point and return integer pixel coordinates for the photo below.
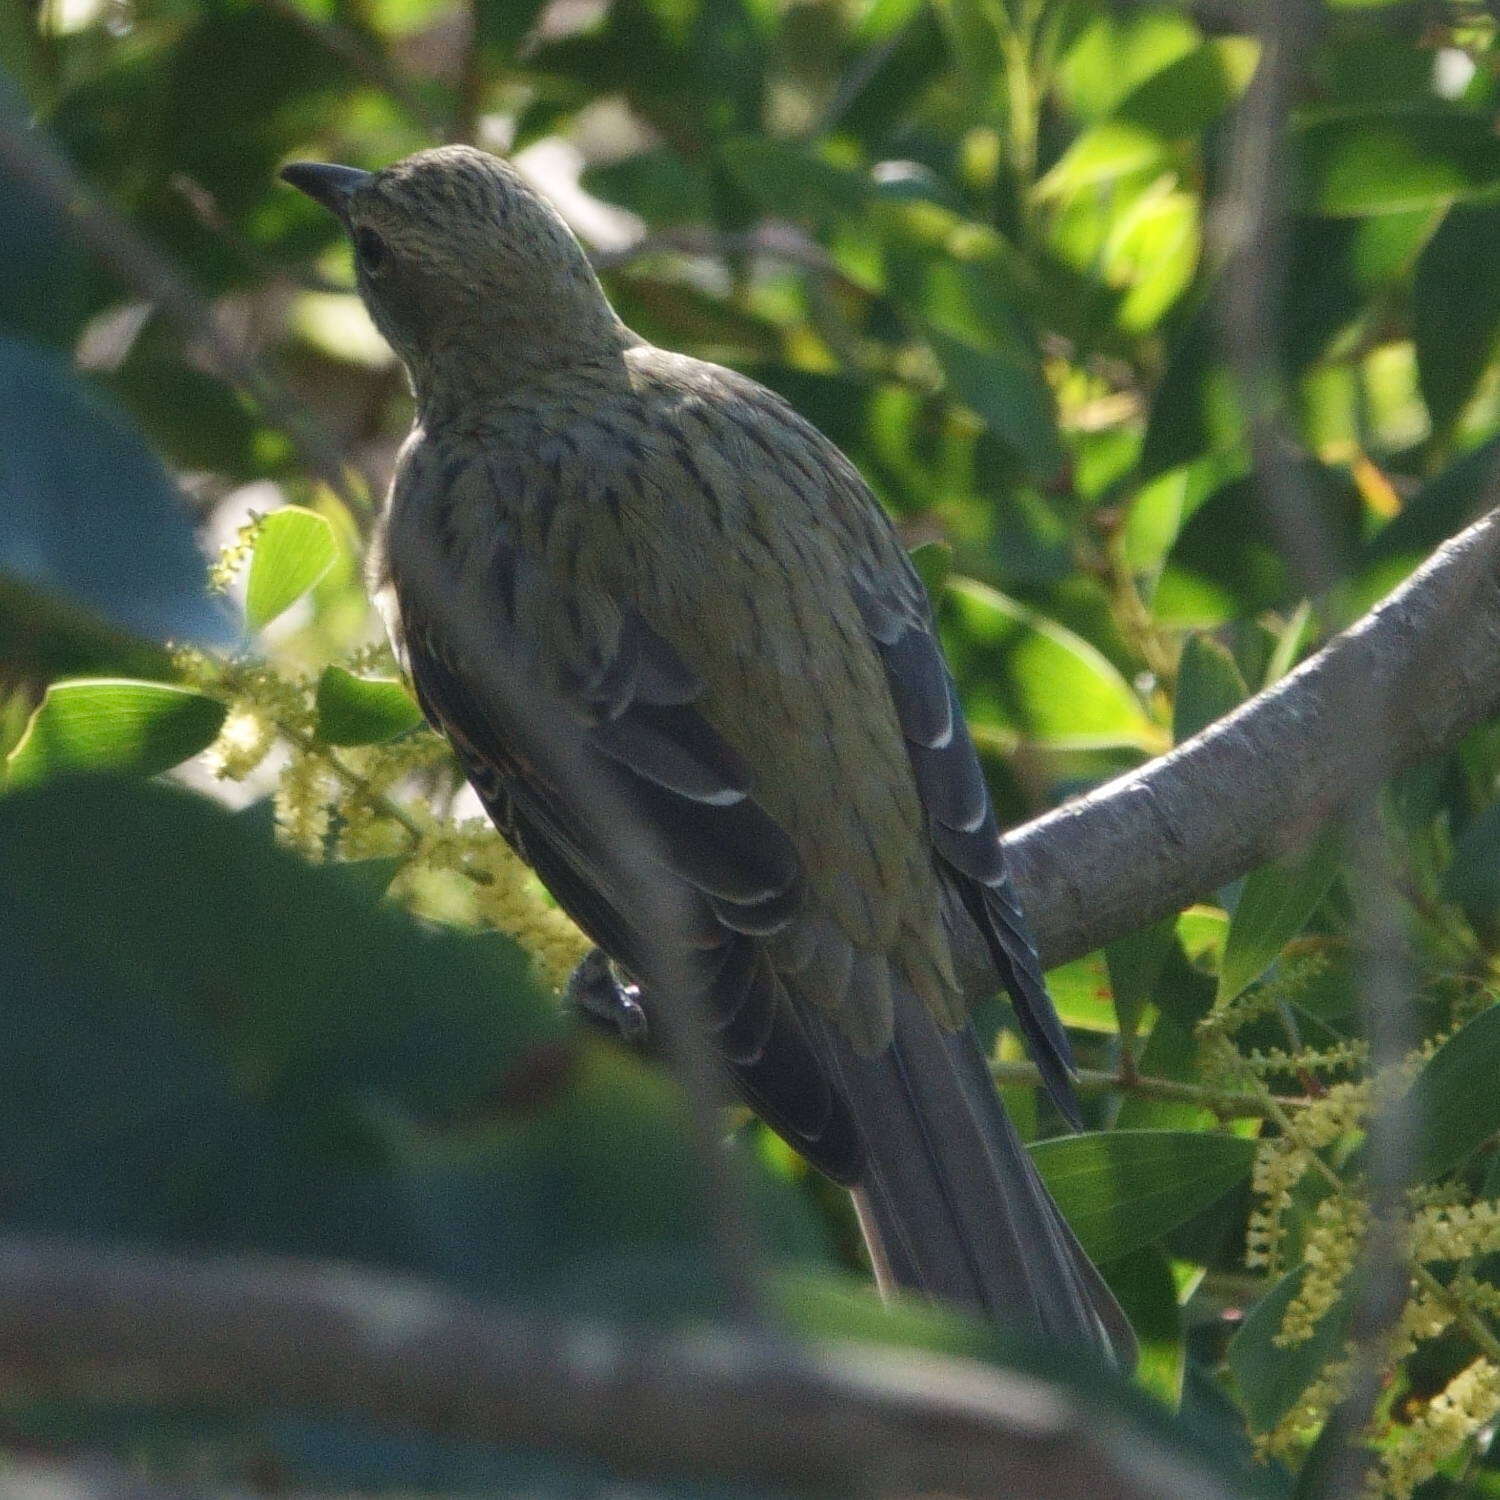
(235, 1335)
(1156, 839)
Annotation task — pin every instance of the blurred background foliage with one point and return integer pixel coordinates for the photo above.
(981, 244)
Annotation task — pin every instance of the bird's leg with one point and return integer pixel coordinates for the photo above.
(605, 1002)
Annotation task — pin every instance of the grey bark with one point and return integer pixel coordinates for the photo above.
(1424, 666)
(239, 1335)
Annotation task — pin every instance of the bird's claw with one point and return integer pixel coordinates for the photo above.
(602, 1001)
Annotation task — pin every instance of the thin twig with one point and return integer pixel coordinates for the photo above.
(29, 157)
(1227, 1104)
(360, 56)
(468, 89)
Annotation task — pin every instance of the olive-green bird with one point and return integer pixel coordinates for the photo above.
(747, 659)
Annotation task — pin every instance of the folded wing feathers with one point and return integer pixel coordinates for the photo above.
(951, 785)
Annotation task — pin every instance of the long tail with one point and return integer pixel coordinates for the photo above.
(950, 1202)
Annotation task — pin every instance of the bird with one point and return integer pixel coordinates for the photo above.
(715, 616)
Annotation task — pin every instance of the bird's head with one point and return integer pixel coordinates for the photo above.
(467, 270)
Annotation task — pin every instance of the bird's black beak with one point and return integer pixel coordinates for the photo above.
(325, 183)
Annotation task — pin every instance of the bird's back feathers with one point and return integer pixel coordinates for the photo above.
(719, 616)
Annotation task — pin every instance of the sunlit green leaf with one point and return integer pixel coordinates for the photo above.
(1111, 149)
(1124, 1189)
(294, 548)
(1080, 993)
(1382, 162)
(1032, 676)
(113, 724)
(362, 710)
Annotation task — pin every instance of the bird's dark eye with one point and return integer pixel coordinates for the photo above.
(370, 249)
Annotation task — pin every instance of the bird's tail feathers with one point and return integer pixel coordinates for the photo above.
(950, 1200)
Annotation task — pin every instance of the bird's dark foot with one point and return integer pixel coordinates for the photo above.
(599, 998)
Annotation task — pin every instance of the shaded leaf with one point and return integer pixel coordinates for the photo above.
(1456, 307)
(1274, 906)
(1270, 1377)
(1443, 506)
(1147, 1291)
(1005, 386)
(1195, 409)
(1454, 1104)
(1209, 685)
(1135, 964)
(88, 513)
(1124, 1189)
(210, 1042)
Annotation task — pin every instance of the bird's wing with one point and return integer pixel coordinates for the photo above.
(961, 818)
(628, 706)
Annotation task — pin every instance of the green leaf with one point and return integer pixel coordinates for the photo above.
(1023, 673)
(793, 181)
(1270, 1376)
(210, 1043)
(113, 724)
(1124, 1189)
(1456, 308)
(1080, 994)
(1472, 878)
(1443, 506)
(293, 550)
(1273, 908)
(1228, 560)
(1147, 1291)
(1455, 1106)
(1209, 685)
(363, 710)
(87, 513)
(1383, 162)
(1188, 95)
(1111, 149)
(1196, 408)
(1176, 103)
(44, 636)
(973, 36)
(1006, 387)
(1135, 963)
(1171, 1051)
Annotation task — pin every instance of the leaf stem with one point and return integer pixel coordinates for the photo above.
(1227, 1105)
